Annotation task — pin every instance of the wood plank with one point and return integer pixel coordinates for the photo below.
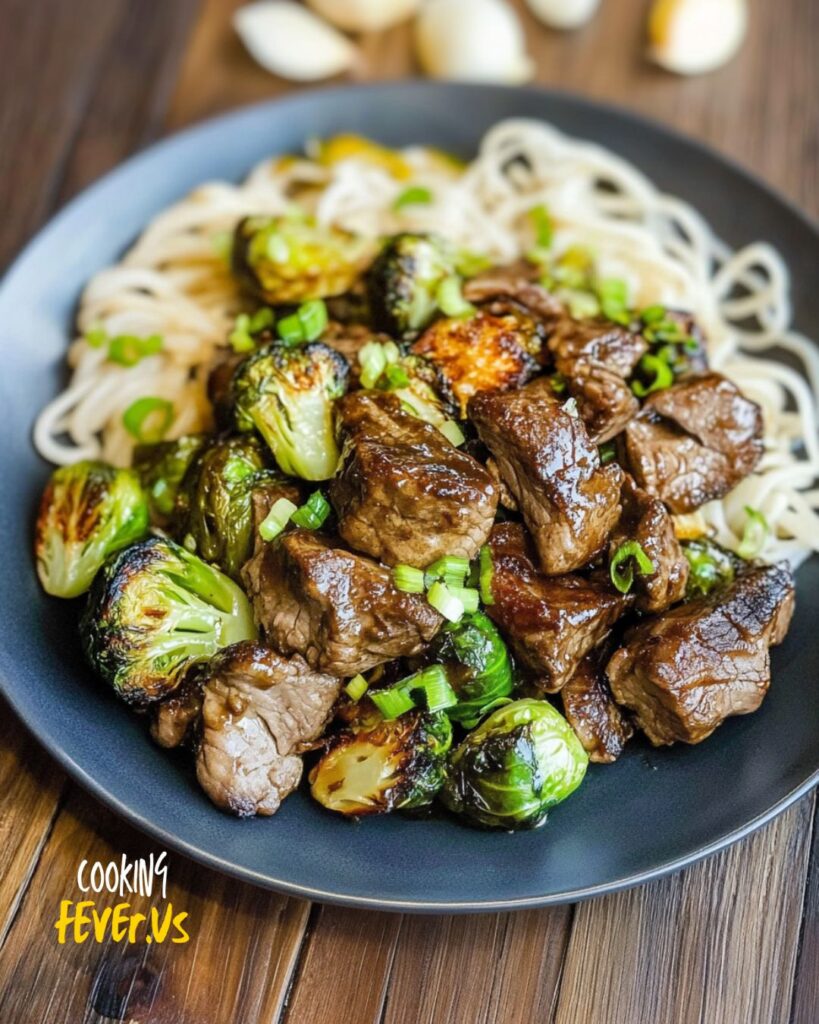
(236, 967)
(715, 943)
(344, 967)
(806, 984)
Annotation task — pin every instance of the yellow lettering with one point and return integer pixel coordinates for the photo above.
(64, 920)
(100, 924)
(136, 920)
(160, 932)
(177, 923)
(80, 919)
(119, 922)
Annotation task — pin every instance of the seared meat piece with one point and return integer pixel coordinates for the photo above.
(694, 442)
(220, 379)
(338, 610)
(646, 520)
(175, 718)
(685, 671)
(260, 711)
(514, 289)
(480, 353)
(568, 500)
(596, 357)
(403, 493)
(590, 710)
(551, 622)
(505, 496)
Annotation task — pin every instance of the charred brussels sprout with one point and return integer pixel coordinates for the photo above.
(88, 511)
(403, 282)
(160, 468)
(380, 766)
(284, 260)
(215, 506)
(156, 610)
(287, 394)
(477, 666)
(710, 566)
(521, 761)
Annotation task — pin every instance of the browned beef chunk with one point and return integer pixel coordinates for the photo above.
(403, 492)
(590, 710)
(551, 622)
(569, 501)
(260, 711)
(339, 611)
(220, 379)
(685, 671)
(646, 520)
(175, 719)
(480, 353)
(596, 357)
(694, 442)
(514, 288)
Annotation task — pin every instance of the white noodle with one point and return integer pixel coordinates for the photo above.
(173, 283)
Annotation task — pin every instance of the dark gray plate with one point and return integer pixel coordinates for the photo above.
(651, 813)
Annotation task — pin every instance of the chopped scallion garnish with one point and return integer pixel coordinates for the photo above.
(240, 338)
(450, 298)
(468, 596)
(356, 688)
(313, 513)
(415, 195)
(452, 432)
(544, 229)
(392, 702)
(663, 375)
(306, 324)
(96, 336)
(433, 684)
(452, 569)
(607, 452)
(754, 535)
(148, 419)
(277, 519)
(276, 248)
(396, 376)
(653, 314)
(613, 295)
(445, 602)
(487, 572)
(621, 568)
(409, 579)
(129, 349)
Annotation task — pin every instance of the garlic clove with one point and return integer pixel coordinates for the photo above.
(691, 37)
(473, 40)
(563, 14)
(288, 40)
(364, 15)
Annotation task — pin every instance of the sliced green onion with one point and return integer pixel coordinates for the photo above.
(607, 452)
(415, 195)
(409, 579)
(129, 349)
(653, 314)
(621, 569)
(277, 519)
(663, 376)
(573, 268)
(392, 353)
(450, 298)
(313, 513)
(754, 535)
(276, 248)
(306, 324)
(468, 596)
(397, 376)
(240, 338)
(558, 382)
(357, 687)
(544, 229)
(262, 318)
(163, 496)
(443, 601)
(373, 362)
(452, 432)
(487, 572)
(96, 336)
(290, 329)
(392, 702)
(148, 419)
(452, 569)
(613, 295)
(432, 682)
(582, 305)
(468, 264)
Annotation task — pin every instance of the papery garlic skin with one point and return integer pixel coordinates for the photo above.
(365, 15)
(472, 40)
(564, 14)
(692, 37)
(288, 40)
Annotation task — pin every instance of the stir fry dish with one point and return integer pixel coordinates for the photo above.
(439, 542)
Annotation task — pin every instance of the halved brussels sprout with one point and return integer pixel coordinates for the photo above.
(160, 468)
(374, 766)
(403, 282)
(156, 610)
(507, 773)
(87, 511)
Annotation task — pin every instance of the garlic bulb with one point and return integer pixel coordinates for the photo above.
(563, 13)
(477, 40)
(285, 38)
(691, 37)
(364, 15)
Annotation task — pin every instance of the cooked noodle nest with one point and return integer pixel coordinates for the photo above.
(174, 282)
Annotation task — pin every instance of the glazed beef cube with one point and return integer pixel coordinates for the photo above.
(403, 492)
(694, 442)
(174, 720)
(685, 671)
(568, 500)
(339, 611)
(596, 357)
(646, 520)
(260, 712)
(480, 353)
(514, 289)
(551, 622)
(590, 710)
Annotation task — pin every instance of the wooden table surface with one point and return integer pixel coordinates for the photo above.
(734, 940)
